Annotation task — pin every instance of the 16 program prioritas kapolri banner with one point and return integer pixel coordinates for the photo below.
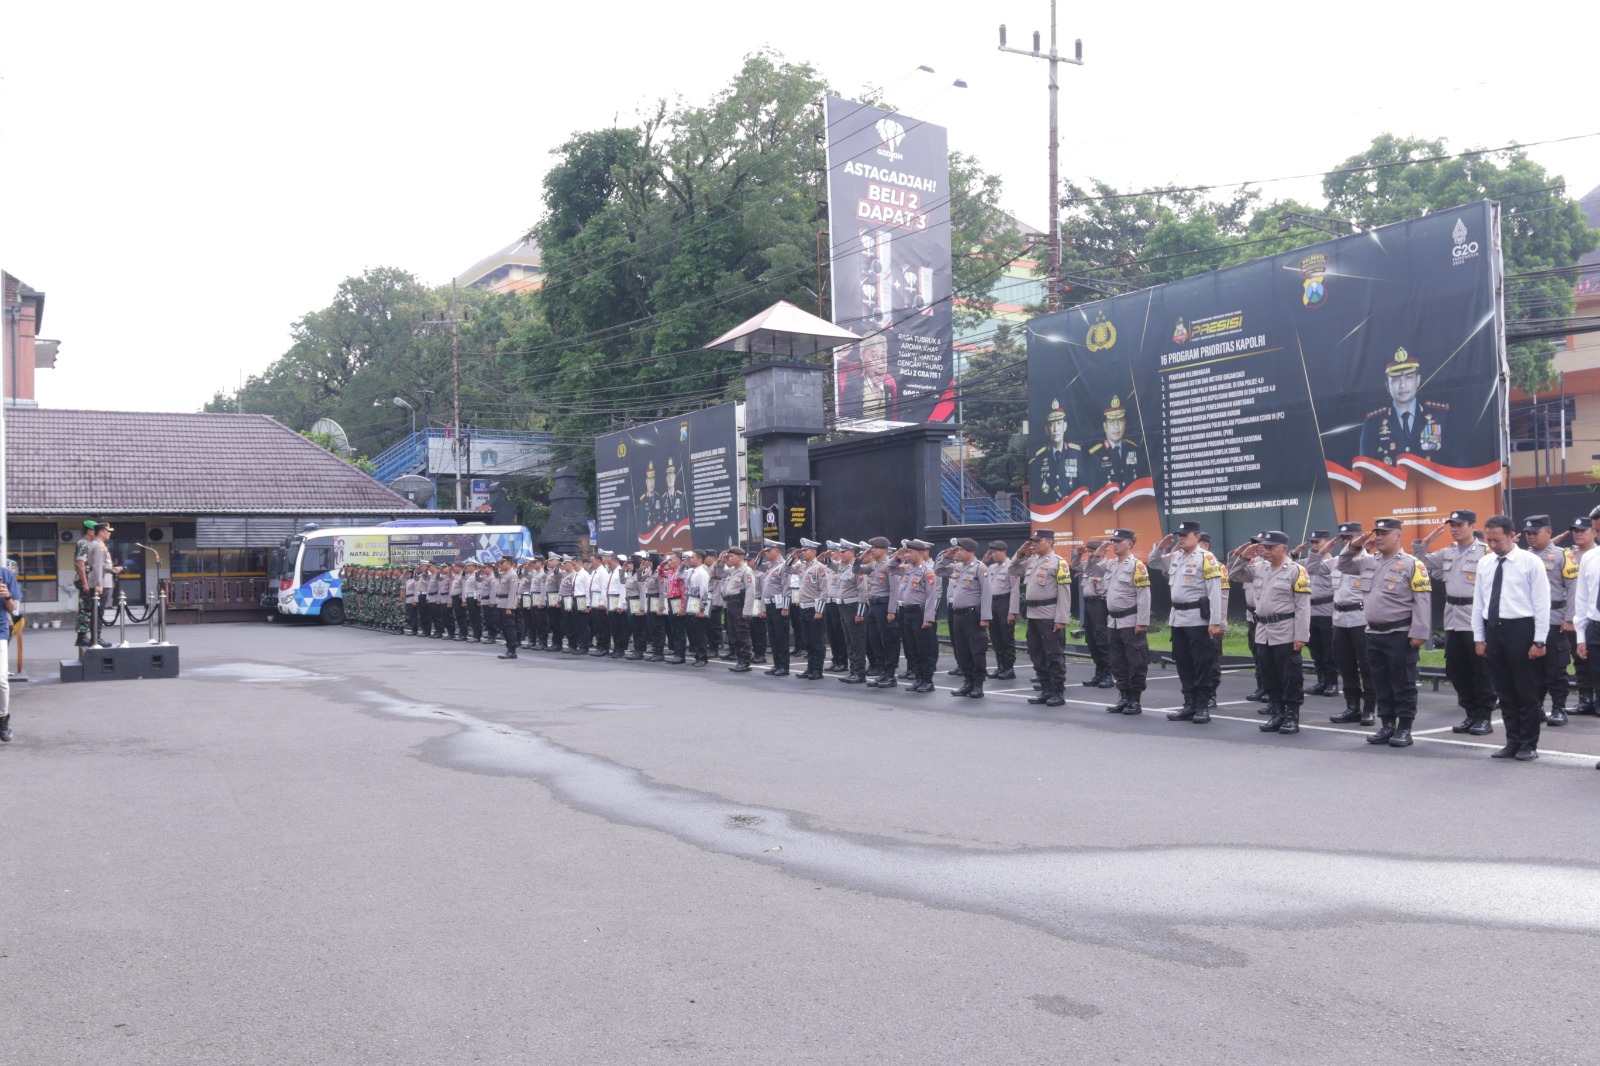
(889, 237)
(673, 484)
(1349, 380)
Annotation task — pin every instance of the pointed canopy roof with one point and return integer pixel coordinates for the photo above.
(785, 331)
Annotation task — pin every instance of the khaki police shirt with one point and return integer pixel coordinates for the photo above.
(1195, 578)
(1456, 569)
(1561, 567)
(1282, 593)
(1127, 592)
(966, 586)
(1044, 588)
(1398, 591)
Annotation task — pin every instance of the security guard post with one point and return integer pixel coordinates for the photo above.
(1127, 581)
(1043, 595)
(1399, 609)
(1562, 570)
(1349, 631)
(1197, 616)
(1087, 564)
(970, 613)
(1510, 619)
(1455, 569)
(1283, 626)
(998, 586)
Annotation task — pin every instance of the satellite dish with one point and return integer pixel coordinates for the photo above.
(327, 427)
(414, 487)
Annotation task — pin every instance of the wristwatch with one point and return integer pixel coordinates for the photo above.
(1538, 644)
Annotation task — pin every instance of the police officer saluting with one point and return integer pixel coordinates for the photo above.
(1043, 595)
(1399, 609)
(914, 603)
(970, 613)
(1002, 637)
(1283, 626)
(1197, 616)
(1561, 569)
(1127, 582)
(1456, 568)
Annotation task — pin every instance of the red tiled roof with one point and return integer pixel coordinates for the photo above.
(139, 462)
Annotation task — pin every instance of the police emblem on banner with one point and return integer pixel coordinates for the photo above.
(1180, 333)
(1313, 272)
(1102, 334)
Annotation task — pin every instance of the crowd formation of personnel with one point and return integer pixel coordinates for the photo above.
(1356, 600)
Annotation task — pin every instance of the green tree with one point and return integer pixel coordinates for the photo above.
(327, 443)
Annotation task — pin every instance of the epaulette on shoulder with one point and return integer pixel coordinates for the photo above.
(1096, 448)
(1436, 405)
(1375, 414)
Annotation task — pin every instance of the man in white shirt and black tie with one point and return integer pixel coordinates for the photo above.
(1586, 618)
(1510, 619)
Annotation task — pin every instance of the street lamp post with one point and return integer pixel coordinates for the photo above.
(399, 401)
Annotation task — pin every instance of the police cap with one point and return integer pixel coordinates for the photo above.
(1534, 523)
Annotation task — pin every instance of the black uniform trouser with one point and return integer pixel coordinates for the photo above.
(1216, 661)
(1550, 673)
(1321, 644)
(1002, 634)
(695, 629)
(458, 612)
(883, 640)
(581, 637)
(969, 642)
(715, 624)
(738, 627)
(655, 632)
(541, 626)
(1516, 678)
(854, 619)
(620, 626)
(1394, 674)
(1129, 652)
(508, 629)
(411, 617)
(636, 629)
(1350, 652)
(778, 636)
(1589, 669)
(1282, 677)
(424, 624)
(1194, 651)
(599, 631)
(814, 635)
(1255, 654)
(1469, 674)
(758, 635)
(475, 618)
(833, 624)
(1095, 632)
(677, 630)
(1047, 650)
(921, 645)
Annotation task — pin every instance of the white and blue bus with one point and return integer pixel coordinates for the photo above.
(303, 576)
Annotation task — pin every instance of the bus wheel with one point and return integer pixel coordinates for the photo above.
(332, 613)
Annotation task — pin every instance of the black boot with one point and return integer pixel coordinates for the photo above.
(1119, 706)
(964, 690)
(1330, 687)
(1275, 723)
(1402, 735)
(1382, 736)
(1369, 711)
(1320, 687)
(1352, 713)
(1092, 682)
(1202, 711)
(1481, 727)
(509, 653)
(1291, 721)
(5, 730)
(1258, 696)
(741, 667)
(1558, 716)
(1008, 674)
(886, 681)
(1183, 714)
(1463, 725)
(1038, 698)
(853, 678)
(977, 688)
(1133, 707)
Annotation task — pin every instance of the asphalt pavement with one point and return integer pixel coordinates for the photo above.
(335, 846)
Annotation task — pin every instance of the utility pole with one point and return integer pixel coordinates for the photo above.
(1053, 296)
(454, 322)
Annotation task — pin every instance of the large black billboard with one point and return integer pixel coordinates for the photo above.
(1352, 379)
(889, 248)
(673, 484)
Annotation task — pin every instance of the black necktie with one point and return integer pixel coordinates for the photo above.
(1494, 591)
(1405, 424)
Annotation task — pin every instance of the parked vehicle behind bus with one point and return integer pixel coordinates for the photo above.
(304, 572)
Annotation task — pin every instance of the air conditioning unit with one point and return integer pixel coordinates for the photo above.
(159, 534)
(67, 536)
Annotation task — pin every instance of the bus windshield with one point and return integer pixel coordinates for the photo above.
(281, 565)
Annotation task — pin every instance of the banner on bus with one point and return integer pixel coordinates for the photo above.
(1345, 381)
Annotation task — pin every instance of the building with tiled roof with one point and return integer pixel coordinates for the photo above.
(518, 267)
(210, 493)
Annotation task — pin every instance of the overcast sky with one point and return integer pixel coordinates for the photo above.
(184, 181)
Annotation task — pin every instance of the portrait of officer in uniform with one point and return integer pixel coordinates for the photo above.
(1054, 471)
(649, 506)
(1407, 424)
(1116, 458)
(672, 507)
